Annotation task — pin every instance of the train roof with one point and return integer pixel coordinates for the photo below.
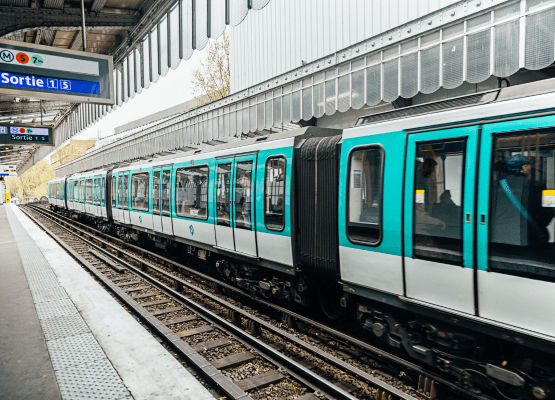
(530, 97)
(273, 140)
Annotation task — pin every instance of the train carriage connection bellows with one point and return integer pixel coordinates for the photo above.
(318, 184)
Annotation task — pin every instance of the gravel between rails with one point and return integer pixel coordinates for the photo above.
(401, 381)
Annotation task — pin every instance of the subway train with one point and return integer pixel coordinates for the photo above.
(432, 225)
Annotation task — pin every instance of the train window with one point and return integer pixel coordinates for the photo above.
(75, 190)
(274, 194)
(191, 192)
(243, 195)
(125, 192)
(223, 194)
(120, 191)
(103, 192)
(438, 200)
(156, 193)
(88, 191)
(522, 205)
(364, 214)
(139, 191)
(113, 191)
(166, 193)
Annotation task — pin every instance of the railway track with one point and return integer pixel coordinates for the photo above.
(221, 338)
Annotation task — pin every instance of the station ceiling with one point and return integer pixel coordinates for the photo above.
(57, 23)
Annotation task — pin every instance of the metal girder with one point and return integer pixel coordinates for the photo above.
(53, 4)
(9, 107)
(149, 19)
(97, 5)
(19, 18)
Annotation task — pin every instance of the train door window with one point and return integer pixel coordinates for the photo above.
(364, 214)
(223, 194)
(274, 194)
(75, 189)
(120, 191)
(156, 193)
(95, 191)
(103, 192)
(191, 192)
(113, 191)
(139, 191)
(125, 192)
(522, 205)
(438, 200)
(243, 195)
(88, 191)
(166, 192)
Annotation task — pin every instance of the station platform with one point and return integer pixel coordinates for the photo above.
(62, 336)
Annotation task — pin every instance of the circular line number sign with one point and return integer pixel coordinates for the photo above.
(22, 58)
(37, 60)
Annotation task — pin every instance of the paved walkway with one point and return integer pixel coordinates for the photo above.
(62, 336)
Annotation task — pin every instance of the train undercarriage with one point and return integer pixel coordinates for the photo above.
(479, 362)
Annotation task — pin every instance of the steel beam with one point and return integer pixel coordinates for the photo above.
(14, 19)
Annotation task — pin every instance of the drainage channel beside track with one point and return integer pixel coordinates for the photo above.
(174, 284)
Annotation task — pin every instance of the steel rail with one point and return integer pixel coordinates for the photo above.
(371, 350)
(289, 363)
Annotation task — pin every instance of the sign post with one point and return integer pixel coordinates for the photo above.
(25, 134)
(44, 72)
(8, 170)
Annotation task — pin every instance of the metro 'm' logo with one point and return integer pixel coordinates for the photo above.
(6, 56)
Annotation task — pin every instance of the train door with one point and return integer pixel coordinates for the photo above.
(243, 205)
(439, 217)
(126, 184)
(157, 200)
(235, 225)
(516, 224)
(165, 194)
(224, 226)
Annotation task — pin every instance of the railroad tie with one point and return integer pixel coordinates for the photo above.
(178, 320)
(142, 296)
(136, 289)
(233, 360)
(211, 344)
(155, 302)
(195, 331)
(166, 310)
(122, 284)
(260, 381)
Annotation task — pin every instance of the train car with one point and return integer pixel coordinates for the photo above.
(232, 200)
(56, 193)
(435, 223)
(447, 234)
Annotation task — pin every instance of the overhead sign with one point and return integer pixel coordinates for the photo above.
(26, 134)
(44, 72)
(7, 170)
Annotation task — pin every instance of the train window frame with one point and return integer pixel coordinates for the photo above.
(464, 139)
(519, 268)
(360, 242)
(190, 216)
(87, 200)
(270, 226)
(114, 191)
(220, 221)
(103, 191)
(125, 194)
(166, 171)
(147, 192)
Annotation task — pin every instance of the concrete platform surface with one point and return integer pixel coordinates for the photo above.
(73, 309)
